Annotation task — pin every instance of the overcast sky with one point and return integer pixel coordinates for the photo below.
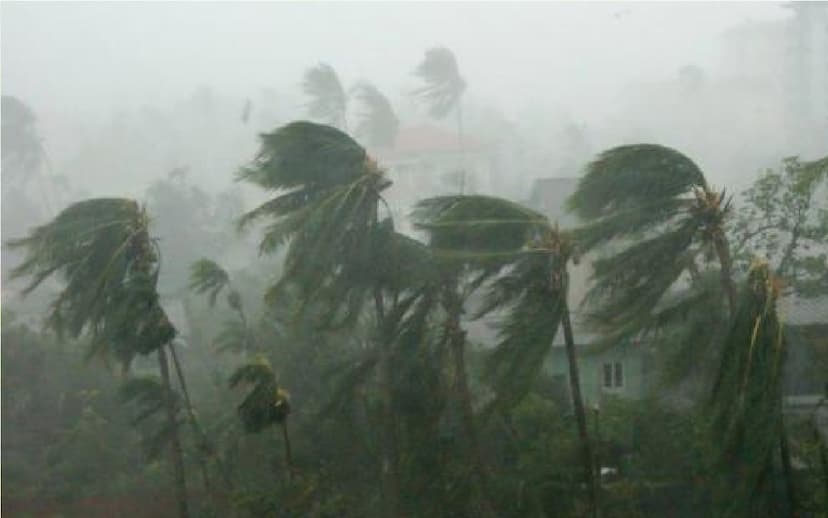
(118, 54)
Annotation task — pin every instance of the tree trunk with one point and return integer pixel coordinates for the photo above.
(457, 345)
(288, 454)
(206, 444)
(175, 446)
(726, 269)
(580, 414)
(389, 470)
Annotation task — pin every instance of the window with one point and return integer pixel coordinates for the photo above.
(613, 375)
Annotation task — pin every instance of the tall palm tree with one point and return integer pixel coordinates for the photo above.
(492, 235)
(266, 404)
(343, 253)
(443, 90)
(656, 221)
(329, 100)
(377, 122)
(102, 250)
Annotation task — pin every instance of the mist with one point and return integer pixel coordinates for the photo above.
(378, 259)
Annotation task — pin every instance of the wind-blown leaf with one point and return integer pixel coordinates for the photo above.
(207, 276)
(533, 309)
(628, 177)
(482, 225)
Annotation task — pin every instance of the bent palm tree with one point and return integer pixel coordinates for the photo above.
(488, 235)
(101, 248)
(327, 207)
(328, 98)
(265, 405)
(652, 212)
(443, 90)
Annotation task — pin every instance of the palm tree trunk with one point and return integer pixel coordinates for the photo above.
(197, 430)
(288, 454)
(457, 346)
(580, 414)
(175, 447)
(726, 268)
(389, 470)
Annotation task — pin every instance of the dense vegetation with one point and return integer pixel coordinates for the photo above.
(335, 377)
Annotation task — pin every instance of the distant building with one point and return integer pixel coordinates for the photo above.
(428, 161)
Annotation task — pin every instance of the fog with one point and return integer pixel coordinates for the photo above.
(612, 69)
(233, 311)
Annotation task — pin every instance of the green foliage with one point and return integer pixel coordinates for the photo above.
(746, 405)
(784, 218)
(328, 98)
(377, 122)
(266, 403)
(533, 309)
(630, 177)
(443, 84)
(207, 276)
(476, 228)
(102, 250)
(146, 397)
(655, 227)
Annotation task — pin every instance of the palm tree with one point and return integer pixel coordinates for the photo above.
(266, 404)
(327, 205)
(653, 215)
(377, 122)
(206, 276)
(329, 100)
(746, 402)
(102, 250)
(492, 235)
(443, 90)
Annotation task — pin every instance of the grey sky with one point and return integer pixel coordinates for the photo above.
(117, 54)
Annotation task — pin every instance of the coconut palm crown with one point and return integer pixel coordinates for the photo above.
(101, 249)
(652, 217)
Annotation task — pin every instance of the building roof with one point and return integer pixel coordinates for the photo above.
(427, 139)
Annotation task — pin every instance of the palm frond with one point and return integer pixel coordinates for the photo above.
(532, 307)
(630, 284)
(101, 249)
(305, 154)
(207, 276)
(747, 398)
(328, 98)
(629, 177)
(377, 121)
(266, 403)
(470, 225)
(443, 84)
